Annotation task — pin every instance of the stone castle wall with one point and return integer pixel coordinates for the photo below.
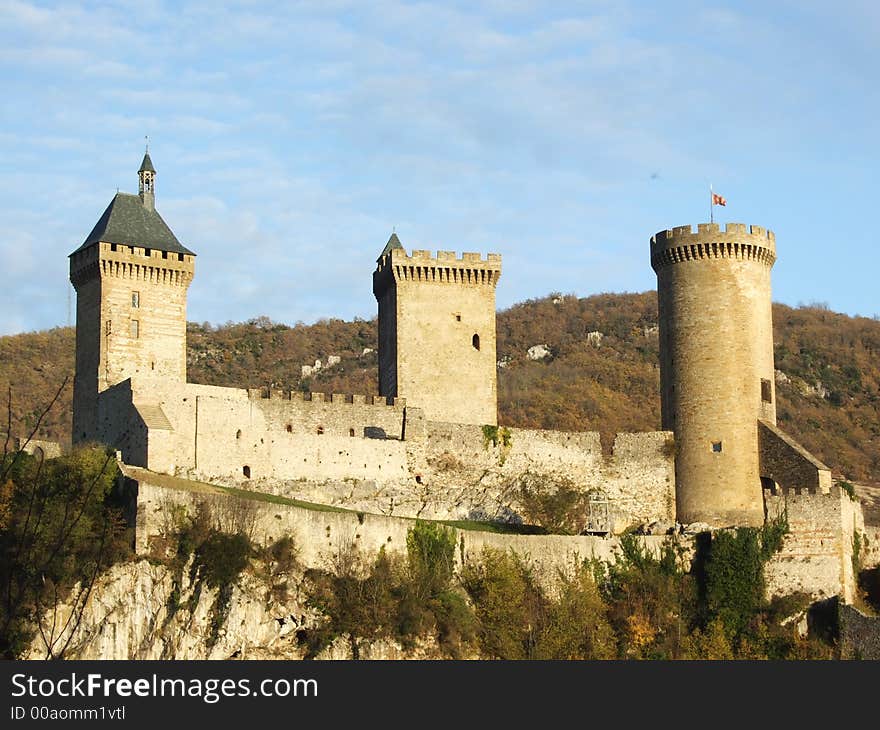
(379, 457)
(788, 463)
(817, 555)
(808, 561)
(321, 536)
(716, 349)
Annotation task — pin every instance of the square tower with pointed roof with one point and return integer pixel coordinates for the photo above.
(437, 332)
(131, 276)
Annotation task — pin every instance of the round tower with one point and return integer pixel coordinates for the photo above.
(716, 365)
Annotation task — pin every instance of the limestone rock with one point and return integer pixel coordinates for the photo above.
(696, 527)
(538, 352)
(661, 527)
(139, 610)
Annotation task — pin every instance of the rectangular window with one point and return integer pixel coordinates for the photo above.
(135, 329)
(766, 391)
(716, 447)
(109, 327)
(135, 299)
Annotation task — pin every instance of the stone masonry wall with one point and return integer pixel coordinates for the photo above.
(790, 465)
(459, 467)
(220, 431)
(807, 563)
(859, 634)
(320, 536)
(351, 454)
(348, 452)
(816, 556)
(120, 426)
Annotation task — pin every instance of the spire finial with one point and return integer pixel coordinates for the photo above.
(146, 143)
(147, 178)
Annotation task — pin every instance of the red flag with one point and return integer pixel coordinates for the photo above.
(718, 200)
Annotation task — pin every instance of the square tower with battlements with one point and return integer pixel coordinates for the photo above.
(437, 331)
(131, 276)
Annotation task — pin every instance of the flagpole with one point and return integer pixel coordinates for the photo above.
(711, 208)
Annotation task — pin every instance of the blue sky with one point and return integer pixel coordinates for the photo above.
(290, 138)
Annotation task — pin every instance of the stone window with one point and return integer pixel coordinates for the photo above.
(238, 434)
(246, 470)
(351, 432)
(180, 257)
(135, 299)
(135, 329)
(289, 428)
(475, 341)
(716, 447)
(109, 327)
(766, 391)
(458, 318)
(320, 430)
(148, 252)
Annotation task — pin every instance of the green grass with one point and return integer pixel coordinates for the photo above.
(275, 499)
(499, 527)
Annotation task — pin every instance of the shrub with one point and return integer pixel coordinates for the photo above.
(508, 604)
(553, 503)
(396, 599)
(576, 625)
(848, 488)
(652, 599)
(430, 549)
(60, 526)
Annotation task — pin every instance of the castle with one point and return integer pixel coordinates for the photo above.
(429, 445)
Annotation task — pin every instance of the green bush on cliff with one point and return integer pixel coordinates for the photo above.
(60, 526)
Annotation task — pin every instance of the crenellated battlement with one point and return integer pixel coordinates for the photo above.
(712, 232)
(400, 255)
(131, 262)
(736, 241)
(443, 267)
(339, 399)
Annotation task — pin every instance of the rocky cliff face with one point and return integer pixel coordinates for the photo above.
(145, 610)
(142, 610)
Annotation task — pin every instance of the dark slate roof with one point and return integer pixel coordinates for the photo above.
(129, 222)
(393, 242)
(147, 164)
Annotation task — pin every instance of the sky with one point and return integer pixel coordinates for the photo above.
(291, 138)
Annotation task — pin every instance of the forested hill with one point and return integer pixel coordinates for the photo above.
(601, 372)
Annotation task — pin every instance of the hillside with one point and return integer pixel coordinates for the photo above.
(828, 379)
